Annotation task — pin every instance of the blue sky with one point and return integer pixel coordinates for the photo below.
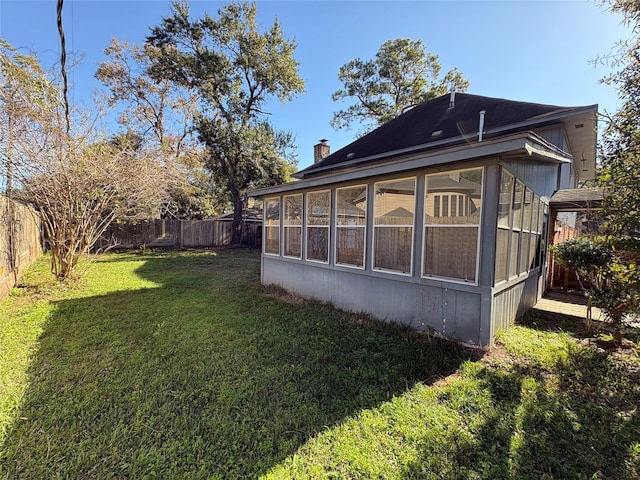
(538, 51)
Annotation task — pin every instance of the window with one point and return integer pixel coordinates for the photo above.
(293, 226)
(514, 250)
(504, 226)
(542, 228)
(451, 240)
(318, 221)
(534, 235)
(351, 220)
(519, 238)
(527, 204)
(394, 210)
(272, 226)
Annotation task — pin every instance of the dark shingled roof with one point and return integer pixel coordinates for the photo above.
(416, 127)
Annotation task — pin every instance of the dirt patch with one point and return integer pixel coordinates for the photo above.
(285, 297)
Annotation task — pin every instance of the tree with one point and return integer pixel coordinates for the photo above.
(608, 273)
(23, 86)
(19, 90)
(235, 68)
(161, 113)
(590, 261)
(62, 165)
(610, 261)
(197, 199)
(402, 75)
(620, 159)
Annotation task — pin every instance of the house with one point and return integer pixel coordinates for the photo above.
(437, 220)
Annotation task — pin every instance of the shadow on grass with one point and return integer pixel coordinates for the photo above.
(557, 322)
(577, 419)
(533, 433)
(554, 322)
(203, 377)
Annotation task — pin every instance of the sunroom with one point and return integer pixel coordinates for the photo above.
(449, 237)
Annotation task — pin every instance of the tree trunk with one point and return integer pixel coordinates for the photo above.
(236, 226)
(617, 336)
(588, 324)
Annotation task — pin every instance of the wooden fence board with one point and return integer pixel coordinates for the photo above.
(176, 234)
(20, 242)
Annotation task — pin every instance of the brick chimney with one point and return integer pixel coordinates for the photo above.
(320, 150)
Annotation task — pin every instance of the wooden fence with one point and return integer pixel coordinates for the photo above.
(20, 242)
(558, 276)
(177, 234)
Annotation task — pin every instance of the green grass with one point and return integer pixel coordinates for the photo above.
(180, 365)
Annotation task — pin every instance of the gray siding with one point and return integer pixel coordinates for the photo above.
(443, 309)
(542, 178)
(555, 135)
(513, 301)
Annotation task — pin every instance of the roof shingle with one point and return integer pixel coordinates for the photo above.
(435, 124)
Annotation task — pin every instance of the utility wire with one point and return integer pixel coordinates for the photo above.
(63, 60)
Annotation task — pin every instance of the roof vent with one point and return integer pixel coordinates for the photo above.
(452, 99)
(351, 155)
(436, 134)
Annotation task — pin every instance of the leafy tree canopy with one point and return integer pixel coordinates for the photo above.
(620, 162)
(236, 68)
(160, 112)
(610, 262)
(402, 75)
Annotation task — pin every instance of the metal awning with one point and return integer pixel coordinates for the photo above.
(577, 199)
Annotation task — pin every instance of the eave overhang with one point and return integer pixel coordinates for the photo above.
(577, 200)
(523, 144)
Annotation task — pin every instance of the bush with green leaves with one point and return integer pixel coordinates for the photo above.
(586, 256)
(607, 268)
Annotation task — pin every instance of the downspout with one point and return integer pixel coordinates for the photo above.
(481, 126)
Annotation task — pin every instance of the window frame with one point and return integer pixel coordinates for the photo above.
(516, 229)
(478, 226)
(308, 225)
(525, 231)
(506, 227)
(337, 226)
(286, 225)
(411, 226)
(267, 226)
(526, 242)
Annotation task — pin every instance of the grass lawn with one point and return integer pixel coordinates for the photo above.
(180, 365)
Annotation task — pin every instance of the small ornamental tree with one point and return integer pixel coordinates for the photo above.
(607, 269)
(79, 189)
(589, 260)
(64, 166)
